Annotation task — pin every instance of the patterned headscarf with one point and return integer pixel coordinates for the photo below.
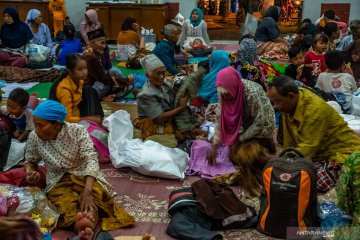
(201, 17)
(247, 51)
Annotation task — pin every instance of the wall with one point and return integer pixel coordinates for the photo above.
(76, 10)
(185, 6)
(312, 8)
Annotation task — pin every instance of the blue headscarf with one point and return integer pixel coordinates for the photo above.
(219, 60)
(17, 34)
(50, 110)
(201, 17)
(32, 14)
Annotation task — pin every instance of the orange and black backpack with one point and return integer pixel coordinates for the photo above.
(289, 196)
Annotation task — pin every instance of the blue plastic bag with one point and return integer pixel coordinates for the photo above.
(139, 80)
(332, 216)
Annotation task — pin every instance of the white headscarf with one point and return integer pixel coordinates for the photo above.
(151, 62)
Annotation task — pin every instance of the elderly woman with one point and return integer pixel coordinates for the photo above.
(129, 39)
(194, 27)
(42, 35)
(14, 35)
(165, 49)
(247, 120)
(272, 46)
(91, 23)
(109, 83)
(246, 59)
(74, 182)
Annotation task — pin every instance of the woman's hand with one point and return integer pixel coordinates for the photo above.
(87, 202)
(211, 156)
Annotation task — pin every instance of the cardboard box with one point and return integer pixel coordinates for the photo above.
(131, 108)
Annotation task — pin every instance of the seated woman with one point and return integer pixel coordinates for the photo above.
(245, 62)
(272, 46)
(352, 58)
(14, 35)
(91, 23)
(156, 103)
(129, 40)
(194, 27)
(81, 102)
(110, 84)
(165, 49)
(42, 36)
(247, 120)
(74, 182)
(312, 126)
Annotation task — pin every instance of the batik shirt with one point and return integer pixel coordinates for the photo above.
(71, 152)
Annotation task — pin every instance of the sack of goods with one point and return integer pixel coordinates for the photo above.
(289, 196)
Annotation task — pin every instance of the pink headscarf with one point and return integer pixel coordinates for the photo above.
(231, 111)
(85, 27)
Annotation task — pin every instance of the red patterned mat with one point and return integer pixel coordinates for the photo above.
(146, 199)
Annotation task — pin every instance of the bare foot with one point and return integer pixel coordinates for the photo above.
(86, 234)
(84, 220)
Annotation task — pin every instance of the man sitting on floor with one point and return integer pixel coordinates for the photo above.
(314, 127)
(165, 49)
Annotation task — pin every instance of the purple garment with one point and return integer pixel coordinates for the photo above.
(198, 164)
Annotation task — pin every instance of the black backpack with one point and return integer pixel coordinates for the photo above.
(289, 195)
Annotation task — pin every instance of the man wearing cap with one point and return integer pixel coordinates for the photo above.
(110, 84)
(156, 101)
(74, 182)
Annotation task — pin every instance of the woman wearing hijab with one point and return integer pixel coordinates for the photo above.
(272, 46)
(246, 60)
(352, 57)
(194, 27)
(91, 23)
(219, 59)
(73, 174)
(129, 39)
(246, 123)
(14, 35)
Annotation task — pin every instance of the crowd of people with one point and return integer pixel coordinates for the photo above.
(244, 103)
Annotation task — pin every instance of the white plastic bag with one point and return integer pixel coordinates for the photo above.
(152, 159)
(250, 25)
(37, 53)
(16, 153)
(148, 158)
(353, 122)
(355, 104)
(120, 129)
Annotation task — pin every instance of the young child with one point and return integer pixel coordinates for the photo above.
(20, 113)
(315, 57)
(69, 45)
(198, 49)
(332, 30)
(342, 85)
(298, 70)
(197, 43)
(58, 9)
(81, 103)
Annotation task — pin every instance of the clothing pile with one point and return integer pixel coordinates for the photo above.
(197, 212)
